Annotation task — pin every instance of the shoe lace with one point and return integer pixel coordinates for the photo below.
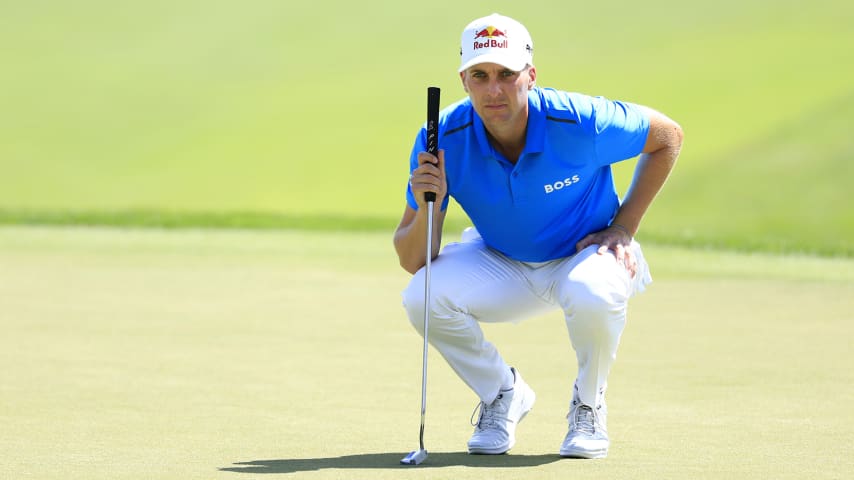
(487, 415)
(584, 421)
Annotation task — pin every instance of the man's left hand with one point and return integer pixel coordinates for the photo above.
(616, 239)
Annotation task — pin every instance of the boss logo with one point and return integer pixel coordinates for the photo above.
(561, 184)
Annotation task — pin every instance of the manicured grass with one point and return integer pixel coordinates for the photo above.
(281, 108)
(146, 353)
(210, 220)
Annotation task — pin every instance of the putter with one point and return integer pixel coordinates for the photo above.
(417, 456)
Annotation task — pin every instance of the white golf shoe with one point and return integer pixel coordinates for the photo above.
(495, 429)
(588, 434)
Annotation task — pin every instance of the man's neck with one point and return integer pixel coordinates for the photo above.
(510, 145)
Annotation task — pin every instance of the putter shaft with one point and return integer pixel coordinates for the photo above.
(429, 255)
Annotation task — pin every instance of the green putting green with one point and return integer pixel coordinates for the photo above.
(220, 354)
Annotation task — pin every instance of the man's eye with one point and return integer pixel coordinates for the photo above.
(508, 73)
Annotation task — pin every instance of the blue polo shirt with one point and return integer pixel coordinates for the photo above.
(560, 189)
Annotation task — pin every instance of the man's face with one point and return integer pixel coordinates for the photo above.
(499, 95)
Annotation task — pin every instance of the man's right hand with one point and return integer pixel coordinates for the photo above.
(429, 177)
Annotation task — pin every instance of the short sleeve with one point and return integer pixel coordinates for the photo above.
(620, 129)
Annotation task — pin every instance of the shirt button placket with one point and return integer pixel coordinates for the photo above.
(515, 188)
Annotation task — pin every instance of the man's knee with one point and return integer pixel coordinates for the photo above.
(594, 312)
(446, 314)
(594, 292)
(587, 297)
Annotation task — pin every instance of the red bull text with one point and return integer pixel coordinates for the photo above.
(490, 40)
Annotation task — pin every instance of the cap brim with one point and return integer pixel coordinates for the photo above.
(501, 59)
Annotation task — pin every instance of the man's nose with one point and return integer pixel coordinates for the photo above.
(493, 88)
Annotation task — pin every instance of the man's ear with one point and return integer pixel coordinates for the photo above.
(463, 80)
(532, 73)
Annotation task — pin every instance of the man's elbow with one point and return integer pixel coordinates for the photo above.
(407, 261)
(669, 137)
(677, 136)
(410, 266)
(664, 134)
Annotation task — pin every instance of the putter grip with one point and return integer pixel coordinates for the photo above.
(432, 129)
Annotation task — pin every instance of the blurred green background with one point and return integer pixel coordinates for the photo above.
(303, 113)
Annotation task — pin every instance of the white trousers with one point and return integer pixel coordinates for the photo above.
(471, 283)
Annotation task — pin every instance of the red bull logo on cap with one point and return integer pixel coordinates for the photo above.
(490, 36)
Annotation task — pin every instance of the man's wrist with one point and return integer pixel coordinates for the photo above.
(624, 229)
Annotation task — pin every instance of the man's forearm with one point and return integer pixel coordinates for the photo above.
(650, 174)
(410, 239)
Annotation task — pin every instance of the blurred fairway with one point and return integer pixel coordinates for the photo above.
(200, 354)
(118, 112)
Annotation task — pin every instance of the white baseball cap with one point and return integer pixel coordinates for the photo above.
(496, 39)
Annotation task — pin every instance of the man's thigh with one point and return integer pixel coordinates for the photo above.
(469, 278)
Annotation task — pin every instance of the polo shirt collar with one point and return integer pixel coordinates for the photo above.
(535, 138)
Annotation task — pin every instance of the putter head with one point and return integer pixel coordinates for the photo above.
(414, 458)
